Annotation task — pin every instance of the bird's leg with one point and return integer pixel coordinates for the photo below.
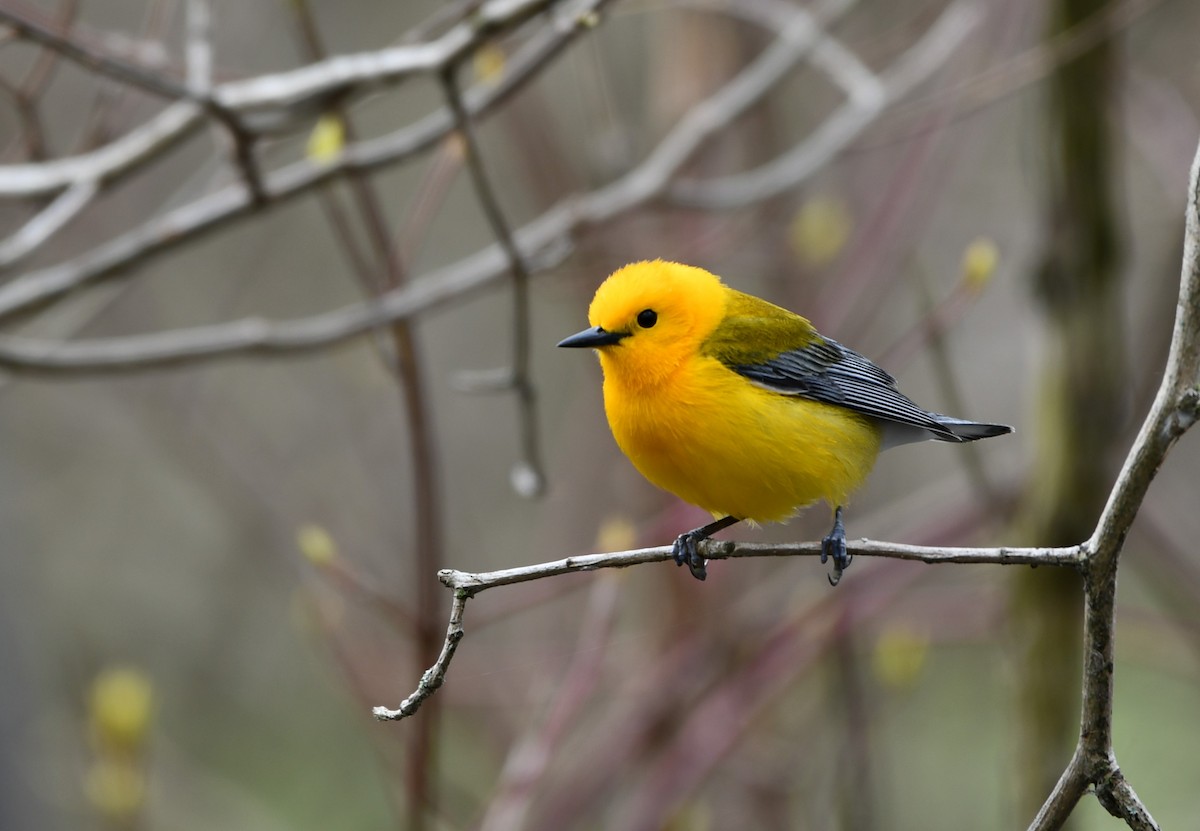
(686, 548)
(834, 545)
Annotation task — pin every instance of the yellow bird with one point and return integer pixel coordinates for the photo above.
(741, 407)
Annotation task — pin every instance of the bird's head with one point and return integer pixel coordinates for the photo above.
(648, 317)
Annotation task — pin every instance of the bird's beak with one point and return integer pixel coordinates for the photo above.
(596, 336)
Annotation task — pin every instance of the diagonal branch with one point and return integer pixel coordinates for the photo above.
(466, 585)
(34, 290)
(644, 183)
(105, 164)
(99, 62)
(868, 97)
(264, 103)
(47, 222)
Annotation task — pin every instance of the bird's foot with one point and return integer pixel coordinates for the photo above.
(834, 547)
(686, 549)
(687, 546)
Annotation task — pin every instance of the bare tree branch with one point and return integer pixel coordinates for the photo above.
(48, 222)
(466, 585)
(208, 213)
(1175, 409)
(644, 183)
(527, 476)
(868, 97)
(107, 163)
(117, 68)
(199, 47)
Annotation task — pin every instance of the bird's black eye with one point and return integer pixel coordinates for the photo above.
(647, 318)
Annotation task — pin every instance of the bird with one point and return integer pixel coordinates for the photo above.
(741, 407)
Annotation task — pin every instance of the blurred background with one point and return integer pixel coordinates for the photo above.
(211, 570)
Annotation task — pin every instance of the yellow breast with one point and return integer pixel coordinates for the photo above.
(717, 441)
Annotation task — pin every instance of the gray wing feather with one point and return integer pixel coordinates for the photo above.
(834, 374)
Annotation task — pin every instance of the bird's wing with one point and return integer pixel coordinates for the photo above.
(782, 352)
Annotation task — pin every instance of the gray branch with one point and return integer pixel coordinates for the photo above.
(47, 222)
(105, 164)
(34, 290)
(648, 181)
(466, 585)
(1175, 409)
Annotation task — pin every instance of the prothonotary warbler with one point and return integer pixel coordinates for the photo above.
(741, 407)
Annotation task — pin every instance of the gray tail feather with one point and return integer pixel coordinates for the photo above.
(959, 429)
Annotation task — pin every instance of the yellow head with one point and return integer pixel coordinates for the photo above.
(648, 317)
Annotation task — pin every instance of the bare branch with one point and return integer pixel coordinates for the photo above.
(300, 93)
(113, 67)
(186, 223)
(436, 674)
(1118, 798)
(134, 149)
(48, 222)
(1071, 556)
(527, 478)
(868, 97)
(309, 87)
(635, 188)
(467, 584)
(1175, 409)
(199, 47)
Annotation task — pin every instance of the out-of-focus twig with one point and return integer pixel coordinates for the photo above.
(47, 222)
(528, 478)
(642, 184)
(164, 232)
(136, 148)
(199, 47)
(868, 97)
(74, 49)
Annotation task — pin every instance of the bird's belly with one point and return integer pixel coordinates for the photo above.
(751, 454)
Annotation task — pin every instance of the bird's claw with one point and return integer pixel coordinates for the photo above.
(834, 547)
(686, 549)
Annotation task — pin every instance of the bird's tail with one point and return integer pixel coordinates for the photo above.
(959, 429)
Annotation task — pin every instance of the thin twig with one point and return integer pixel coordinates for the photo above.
(47, 222)
(435, 676)
(528, 478)
(311, 87)
(113, 67)
(199, 47)
(253, 335)
(210, 212)
(864, 105)
(105, 164)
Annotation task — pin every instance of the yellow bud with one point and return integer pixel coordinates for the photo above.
(115, 788)
(820, 229)
(900, 655)
(589, 19)
(327, 140)
(120, 708)
(979, 263)
(616, 534)
(489, 64)
(315, 543)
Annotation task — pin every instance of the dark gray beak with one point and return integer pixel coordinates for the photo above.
(592, 338)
